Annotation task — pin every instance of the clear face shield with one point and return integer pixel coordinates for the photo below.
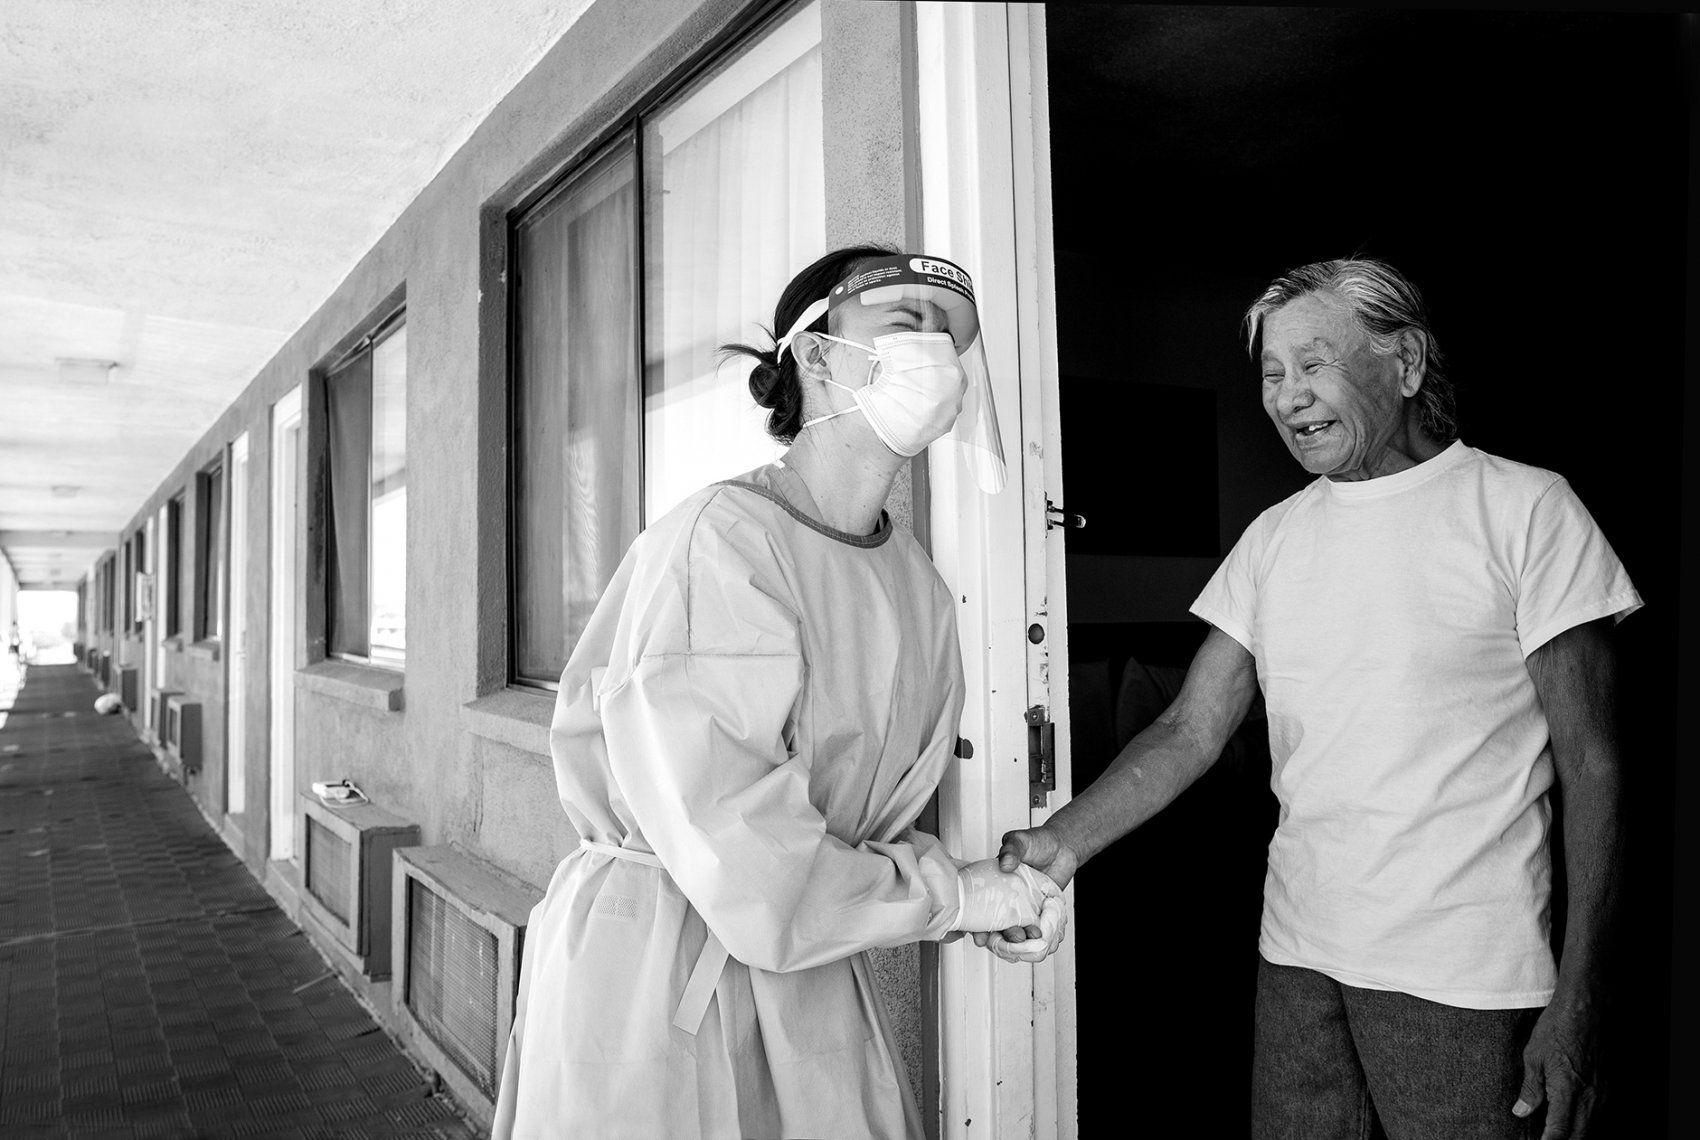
(911, 277)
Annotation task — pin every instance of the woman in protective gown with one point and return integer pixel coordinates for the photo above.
(766, 696)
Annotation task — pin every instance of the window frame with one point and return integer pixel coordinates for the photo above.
(127, 608)
(625, 141)
(392, 319)
(138, 560)
(172, 549)
(209, 579)
(625, 129)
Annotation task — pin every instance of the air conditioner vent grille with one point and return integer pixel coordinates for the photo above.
(327, 869)
(452, 981)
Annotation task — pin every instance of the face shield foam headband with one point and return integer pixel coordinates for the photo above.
(913, 277)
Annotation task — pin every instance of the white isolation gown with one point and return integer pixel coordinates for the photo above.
(765, 704)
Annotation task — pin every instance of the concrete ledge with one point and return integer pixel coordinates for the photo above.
(206, 650)
(363, 685)
(516, 717)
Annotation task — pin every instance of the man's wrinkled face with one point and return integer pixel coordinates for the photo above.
(1340, 407)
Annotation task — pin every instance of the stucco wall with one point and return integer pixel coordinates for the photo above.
(463, 757)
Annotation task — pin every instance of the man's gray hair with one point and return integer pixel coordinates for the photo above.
(1385, 304)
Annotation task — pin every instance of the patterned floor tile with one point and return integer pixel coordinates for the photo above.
(148, 986)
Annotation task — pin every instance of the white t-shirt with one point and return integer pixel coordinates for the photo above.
(1390, 620)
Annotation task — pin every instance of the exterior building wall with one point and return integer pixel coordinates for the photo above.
(8, 596)
(460, 753)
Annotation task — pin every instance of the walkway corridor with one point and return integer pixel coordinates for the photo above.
(148, 985)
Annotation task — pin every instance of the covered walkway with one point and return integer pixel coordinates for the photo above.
(148, 985)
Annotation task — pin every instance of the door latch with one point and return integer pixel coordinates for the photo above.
(1056, 516)
(1041, 755)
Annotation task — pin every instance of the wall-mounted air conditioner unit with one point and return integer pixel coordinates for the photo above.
(346, 875)
(459, 932)
(130, 687)
(182, 731)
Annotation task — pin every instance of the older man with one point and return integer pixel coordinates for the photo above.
(1431, 629)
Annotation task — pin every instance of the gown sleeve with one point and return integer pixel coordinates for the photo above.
(695, 722)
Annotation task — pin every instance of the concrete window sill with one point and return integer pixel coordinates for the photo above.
(362, 685)
(206, 650)
(515, 717)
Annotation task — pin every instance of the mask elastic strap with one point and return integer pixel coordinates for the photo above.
(829, 416)
(833, 415)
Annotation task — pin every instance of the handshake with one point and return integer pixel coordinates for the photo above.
(1013, 910)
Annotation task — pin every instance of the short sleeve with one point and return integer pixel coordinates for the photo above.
(1229, 599)
(1570, 574)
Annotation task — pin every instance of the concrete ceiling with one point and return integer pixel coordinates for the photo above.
(182, 183)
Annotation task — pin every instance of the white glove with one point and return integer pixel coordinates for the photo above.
(1053, 924)
(993, 899)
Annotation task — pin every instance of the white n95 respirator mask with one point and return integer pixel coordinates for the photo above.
(914, 389)
(922, 388)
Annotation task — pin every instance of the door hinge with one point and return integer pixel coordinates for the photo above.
(1041, 755)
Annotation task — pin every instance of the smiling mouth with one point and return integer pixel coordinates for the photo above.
(1307, 430)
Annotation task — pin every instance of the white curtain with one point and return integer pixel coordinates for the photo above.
(388, 540)
(735, 206)
(576, 411)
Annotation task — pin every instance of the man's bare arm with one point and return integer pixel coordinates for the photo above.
(1156, 766)
(1575, 675)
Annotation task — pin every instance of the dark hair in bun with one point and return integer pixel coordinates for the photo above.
(773, 382)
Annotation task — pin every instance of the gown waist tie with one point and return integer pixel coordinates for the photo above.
(705, 975)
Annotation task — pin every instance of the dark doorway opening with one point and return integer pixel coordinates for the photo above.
(1529, 171)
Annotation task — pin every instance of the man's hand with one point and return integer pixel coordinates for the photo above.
(1041, 848)
(1559, 1071)
(1034, 943)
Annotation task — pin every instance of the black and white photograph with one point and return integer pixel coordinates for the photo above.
(847, 570)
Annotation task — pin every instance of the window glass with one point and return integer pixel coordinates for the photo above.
(734, 206)
(129, 575)
(724, 191)
(348, 442)
(575, 408)
(388, 540)
(140, 567)
(170, 565)
(209, 556)
(366, 523)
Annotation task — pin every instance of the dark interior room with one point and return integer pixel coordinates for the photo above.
(1529, 171)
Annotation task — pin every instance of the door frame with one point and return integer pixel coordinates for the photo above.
(283, 610)
(150, 629)
(1006, 1032)
(236, 630)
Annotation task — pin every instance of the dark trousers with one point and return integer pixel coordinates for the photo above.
(1335, 1061)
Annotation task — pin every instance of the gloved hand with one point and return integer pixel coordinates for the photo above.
(1053, 924)
(993, 899)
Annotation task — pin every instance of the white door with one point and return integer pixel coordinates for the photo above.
(236, 701)
(286, 467)
(165, 565)
(150, 626)
(1006, 1032)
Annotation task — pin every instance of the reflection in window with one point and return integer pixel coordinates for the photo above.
(366, 458)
